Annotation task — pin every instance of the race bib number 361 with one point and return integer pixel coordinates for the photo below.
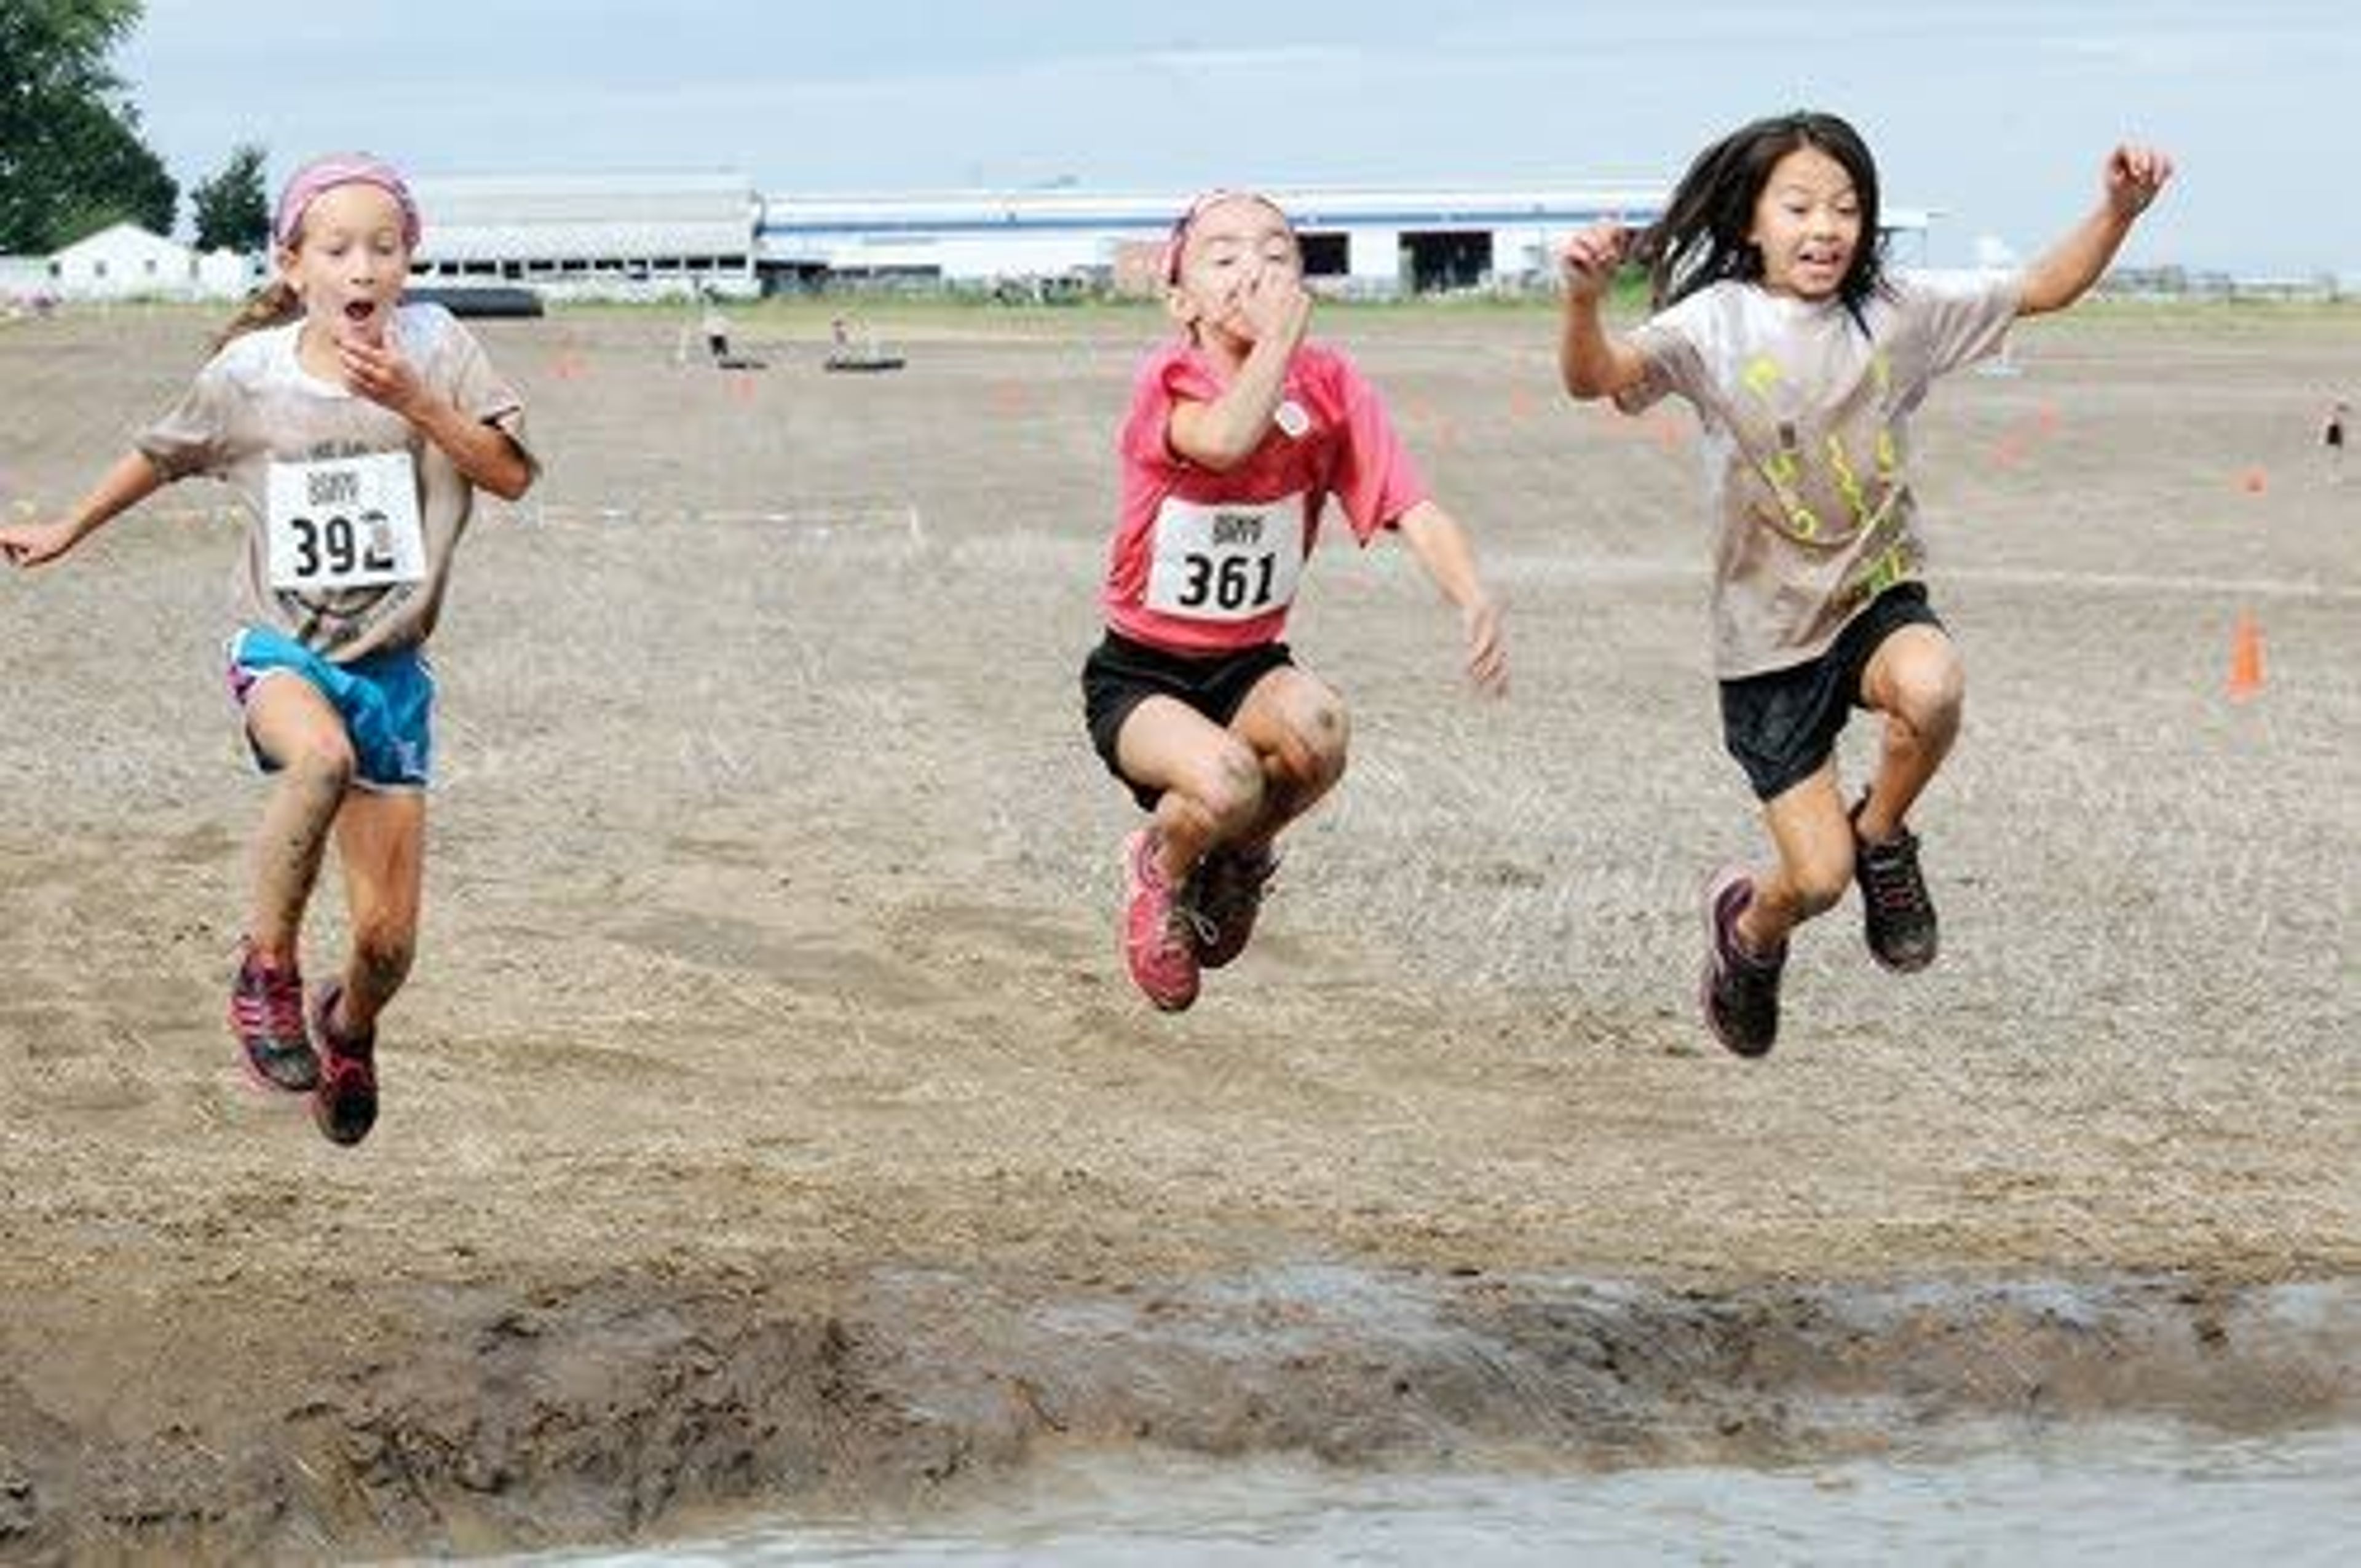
(344, 522)
(1226, 561)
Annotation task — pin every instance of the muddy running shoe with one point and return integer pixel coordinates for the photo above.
(344, 1105)
(1740, 991)
(1158, 929)
(1227, 893)
(266, 1014)
(1897, 917)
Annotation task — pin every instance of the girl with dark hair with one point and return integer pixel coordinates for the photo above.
(1776, 320)
(1241, 434)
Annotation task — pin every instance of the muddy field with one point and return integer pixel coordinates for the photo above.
(769, 1117)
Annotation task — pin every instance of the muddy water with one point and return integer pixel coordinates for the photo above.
(2149, 1495)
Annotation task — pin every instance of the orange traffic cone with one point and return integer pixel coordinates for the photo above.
(2245, 657)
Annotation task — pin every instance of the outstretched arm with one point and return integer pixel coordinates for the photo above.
(1590, 363)
(2134, 174)
(1441, 547)
(131, 481)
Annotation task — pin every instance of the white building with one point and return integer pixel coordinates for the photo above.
(124, 261)
(589, 236)
(1362, 241)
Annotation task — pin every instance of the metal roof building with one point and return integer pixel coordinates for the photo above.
(673, 234)
(1363, 240)
(599, 236)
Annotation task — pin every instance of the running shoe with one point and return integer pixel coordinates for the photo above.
(266, 1014)
(1740, 991)
(1897, 916)
(1158, 929)
(344, 1105)
(1226, 894)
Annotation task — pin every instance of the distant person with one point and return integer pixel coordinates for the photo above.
(2332, 439)
(1776, 321)
(1238, 437)
(357, 431)
(716, 327)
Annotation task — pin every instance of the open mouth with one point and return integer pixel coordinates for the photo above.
(360, 311)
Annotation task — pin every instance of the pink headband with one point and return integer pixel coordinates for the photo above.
(1179, 236)
(323, 174)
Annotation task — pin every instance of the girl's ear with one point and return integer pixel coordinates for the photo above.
(284, 258)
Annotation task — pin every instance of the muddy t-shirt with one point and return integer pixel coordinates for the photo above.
(354, 515)
(1805, 409)
(1208, 563)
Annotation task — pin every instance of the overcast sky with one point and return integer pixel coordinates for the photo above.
(1995, 114)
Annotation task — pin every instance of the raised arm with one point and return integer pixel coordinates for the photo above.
(132, 479)
(482, 452)
(1224, 432)
(1590, 362)
(2133, 176)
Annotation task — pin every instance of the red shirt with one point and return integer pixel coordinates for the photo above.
(1207, 563)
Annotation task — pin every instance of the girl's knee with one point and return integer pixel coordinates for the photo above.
(1819, 885)
(325, 766)
(1318, 736)
(1227, 790)
(1926, 693)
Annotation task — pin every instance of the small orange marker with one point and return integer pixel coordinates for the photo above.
(2246, 658)
(2253, 481)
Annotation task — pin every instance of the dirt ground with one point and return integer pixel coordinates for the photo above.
(769, 1116)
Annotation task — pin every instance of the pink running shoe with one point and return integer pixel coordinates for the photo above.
(266, 1014)
(1227, 893)
(1158, 932)
(344, 1105)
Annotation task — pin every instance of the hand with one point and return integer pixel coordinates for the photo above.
(1487, 652)
(379, 372)
(1589, 258)
(36, 545)
(1274, 304)
(2134, 174)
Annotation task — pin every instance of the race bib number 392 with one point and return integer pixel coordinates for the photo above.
(344, 522)
(1226, 561)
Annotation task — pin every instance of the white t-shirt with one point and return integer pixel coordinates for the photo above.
(1804, 410)
(356, 571)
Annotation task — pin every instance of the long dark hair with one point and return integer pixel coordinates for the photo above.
(1701, 238)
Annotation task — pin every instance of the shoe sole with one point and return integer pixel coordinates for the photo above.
(1891, 966)
(262, 1080)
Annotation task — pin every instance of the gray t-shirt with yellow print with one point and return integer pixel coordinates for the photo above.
(1804, 410)
(362, 568)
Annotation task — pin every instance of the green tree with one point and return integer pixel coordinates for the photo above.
(233, 209)
(71, 160)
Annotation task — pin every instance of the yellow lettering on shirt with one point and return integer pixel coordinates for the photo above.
(1882, 571)
(1848, 482)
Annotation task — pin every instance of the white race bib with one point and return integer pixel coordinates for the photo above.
(344, 522)
(1226, 561)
